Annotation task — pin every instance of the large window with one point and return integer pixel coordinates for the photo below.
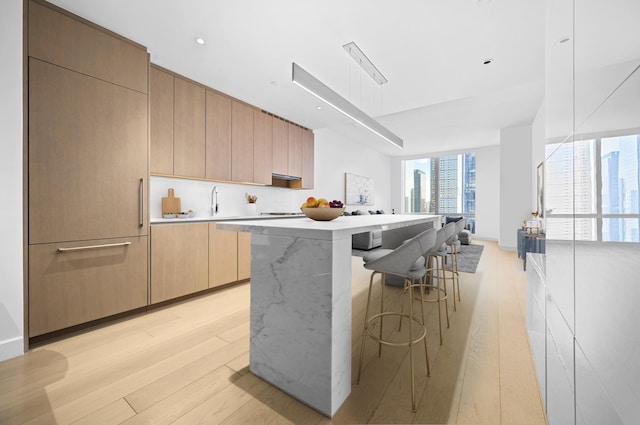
(443, 185)
(596, 181)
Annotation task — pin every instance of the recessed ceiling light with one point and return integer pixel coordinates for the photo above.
(274, 83)
(200, 40)
(487, 61)
(564, 40)
(318, 107)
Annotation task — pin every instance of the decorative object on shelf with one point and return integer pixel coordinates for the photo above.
(322, 214)
(359, 190)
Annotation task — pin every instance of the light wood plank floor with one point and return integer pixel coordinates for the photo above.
(188, 363)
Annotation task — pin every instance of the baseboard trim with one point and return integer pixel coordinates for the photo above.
(10, 348)
(507, 248)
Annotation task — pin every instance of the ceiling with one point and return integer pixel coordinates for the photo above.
(440, 96)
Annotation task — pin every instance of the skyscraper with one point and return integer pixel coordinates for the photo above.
(419, 191)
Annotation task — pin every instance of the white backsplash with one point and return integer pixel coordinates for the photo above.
(196, 195)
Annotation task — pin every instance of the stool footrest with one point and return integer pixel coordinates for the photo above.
(423, 330)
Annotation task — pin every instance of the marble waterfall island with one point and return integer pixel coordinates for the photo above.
(301, 301)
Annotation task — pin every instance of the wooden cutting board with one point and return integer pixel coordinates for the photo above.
(171, 204)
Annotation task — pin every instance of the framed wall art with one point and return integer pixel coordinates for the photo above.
(359, 190)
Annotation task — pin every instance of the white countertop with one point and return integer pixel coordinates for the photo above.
(340, 228)
(155, 220)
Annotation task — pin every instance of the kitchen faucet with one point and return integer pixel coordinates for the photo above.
(215, 207)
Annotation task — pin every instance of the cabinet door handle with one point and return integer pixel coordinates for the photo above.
(81, 248)
(141, 203)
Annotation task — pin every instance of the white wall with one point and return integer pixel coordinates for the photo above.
(11, 258)
(488, 193)
(336, 155)
(515, 183)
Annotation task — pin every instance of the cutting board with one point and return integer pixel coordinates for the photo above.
(171, 204)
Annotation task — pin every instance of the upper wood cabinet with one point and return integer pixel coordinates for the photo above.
(188, 129)
(307, 159)
(262, 147)
(241, 142)
(280, 153)
(87, 157)
(218, 136)
(58, 37)
(161, 121)
(179, 260)
(295, 151)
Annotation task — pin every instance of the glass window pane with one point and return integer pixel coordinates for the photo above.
(570, 175)
(563, 228)
(417, 191)
(619, 158)
(620, 229)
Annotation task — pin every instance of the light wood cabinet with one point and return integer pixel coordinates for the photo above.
(307, 159)
(223, 256)
(241, 142)
(229, 256)
(218, 136)
(280, 154)
(188, 129)
(179, 260)
(244, 255)
(161, 121)
(58, 38)
(87, 157)
(67, 288)
(262, 147)
(295, 151)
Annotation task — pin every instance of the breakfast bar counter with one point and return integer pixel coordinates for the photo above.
(301, 301)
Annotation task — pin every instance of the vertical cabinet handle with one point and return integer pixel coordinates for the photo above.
(141, 203)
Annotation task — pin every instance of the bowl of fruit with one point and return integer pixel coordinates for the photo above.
(322, 210)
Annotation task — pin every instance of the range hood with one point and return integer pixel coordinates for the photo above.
(284, 177)
(283, 180)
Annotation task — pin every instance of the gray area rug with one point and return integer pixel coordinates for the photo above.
(468, 257)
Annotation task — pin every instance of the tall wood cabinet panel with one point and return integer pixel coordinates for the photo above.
(87, 157)
(161, 121)
(241, 142)
(223, 256)
(262, 147)
(295, 151)
(280, 164)
(75, 44)
(72, 287)
(188, 129)
(307, 159)
(218, 136)
(179, 260)
(244, 255)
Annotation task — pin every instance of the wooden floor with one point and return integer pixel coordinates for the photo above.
(188, 363)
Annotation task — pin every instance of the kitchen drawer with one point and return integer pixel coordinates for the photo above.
(75, 282)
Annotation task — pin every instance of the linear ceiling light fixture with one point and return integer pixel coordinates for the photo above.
(317, 88)
(362, 60)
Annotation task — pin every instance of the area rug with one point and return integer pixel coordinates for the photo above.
(468, 257)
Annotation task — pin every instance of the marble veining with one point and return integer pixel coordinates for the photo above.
(301, 302)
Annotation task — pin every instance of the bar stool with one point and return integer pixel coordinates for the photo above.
(405, 261)
(436, 273)
(454, 243)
